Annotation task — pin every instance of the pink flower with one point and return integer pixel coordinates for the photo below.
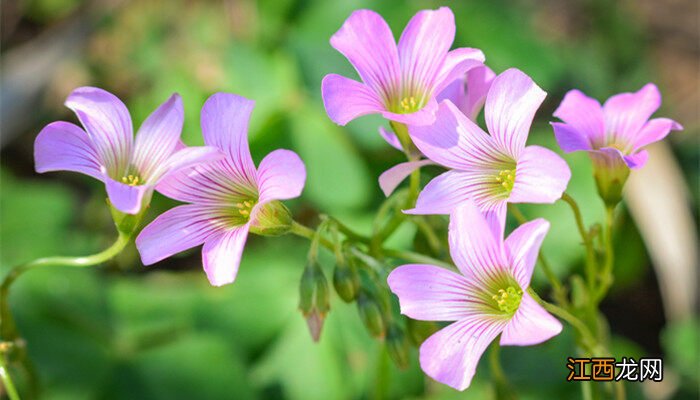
(468, 93)
(491, 170)
(106, 149)
(614, 135)
(228, 198)
(399, 82)
(486, 298)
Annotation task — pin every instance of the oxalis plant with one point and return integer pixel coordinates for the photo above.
(478, 281)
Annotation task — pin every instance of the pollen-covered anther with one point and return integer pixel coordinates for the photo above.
(408, 103)
(506, 178)
(508, 300)
(245, 207)
(131, 180)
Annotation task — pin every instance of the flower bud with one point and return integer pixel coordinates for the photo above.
(271, 219)
(397, 345)
(313, 298)
(346, 280)
(371, 314)
(127, 224)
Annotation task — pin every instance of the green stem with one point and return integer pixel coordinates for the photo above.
(607, 273)
(349, 232)
(8, 329)
(588, 243)
(559, 292)
(7, 380)
(427, 230)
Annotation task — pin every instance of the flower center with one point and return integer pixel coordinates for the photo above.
(506, 178)
(132, 180)
(409, 104)
(244, 208)
(508, 299)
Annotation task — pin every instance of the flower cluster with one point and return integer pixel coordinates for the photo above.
(432, 97)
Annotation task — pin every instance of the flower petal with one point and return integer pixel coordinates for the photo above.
(541, 176)
(62, 146)
(366, 41)
(424, 116)
(125, 198)
(530, 325)
(176, 230)
(569, 138)
(158, 136)
(626, 113)
(209, 183)
(430, 293)
(346, 99)
(221, 255)
(451, 355)
(584, 115)
(390, 138)
(225, 120)
(456, 65)
(185, 158)
(455, 141)
(510, 108)
(423, 47)
(523, 247)
(655, 130)
(392, 177)
(469, 91)
(474, 246)
(108, 124)
(281, 176)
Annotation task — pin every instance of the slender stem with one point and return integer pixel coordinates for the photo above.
(607, 273)
(559, 292)
(349, 232)
(8, 330)
(588, 243)
(7, 380)
(427, 230)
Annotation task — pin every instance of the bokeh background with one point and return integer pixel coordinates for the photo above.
(122, 330)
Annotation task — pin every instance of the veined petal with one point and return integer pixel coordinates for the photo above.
(653, 131)
(185, 158)
(390, 138)
(221, 255)
(626, 113)
(158, 136)
(206, 184)
(510, 108)
(469, 91)
(476, 250)
(225, 120)
(108, 124)
(346, 99)
(423, 47)
(430, 293)
(125, 198)
(366, 41)
(523, 246)
(62, 146)
(541, 176)
(424, 116)
(636, 160)
(281, 176)
(457, 63)
(530, 325)
(569, 138)
(455, 141)
(176, 230)
(584, 115)
(392, 177)
(451, 355)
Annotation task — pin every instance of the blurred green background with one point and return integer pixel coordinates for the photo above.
(123, 331)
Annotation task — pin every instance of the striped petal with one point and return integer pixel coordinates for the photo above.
(541, 176)
(523, 247)
(126, 198)
(391, 178)
(221, 255)
(585, 120)
(457, 64)
(206, 184)
(469, 91)
(530, 325)
(62, 146)
(627, 113)
(281, 176)
(390, 138)
(653, 131)
(346, 99)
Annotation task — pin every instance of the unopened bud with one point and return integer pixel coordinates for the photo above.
(314, 302)
(371, 314)
(397, 345)
(127, 224)
(272, 219)
(345, 280)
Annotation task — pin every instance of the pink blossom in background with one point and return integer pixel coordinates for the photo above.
(106, 149)
(398, 82)
(490, 169)
(487, 297)
(226, 197)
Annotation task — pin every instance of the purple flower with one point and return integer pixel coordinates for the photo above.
(399, 82)
(468, 93)
(491, 170)
(614, 134)
(228, 198)
(486, 298)
(106, 149)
